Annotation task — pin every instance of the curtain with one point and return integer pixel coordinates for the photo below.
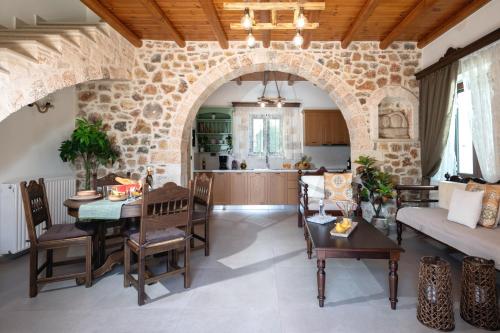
(480, 73)
(437, 91)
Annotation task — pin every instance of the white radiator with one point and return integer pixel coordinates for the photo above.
(13, 232)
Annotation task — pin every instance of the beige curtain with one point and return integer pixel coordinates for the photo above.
(437, 91)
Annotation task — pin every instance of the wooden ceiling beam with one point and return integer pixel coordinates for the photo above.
(97, 7)
(311, 16)
(159, 15)
(212, 17)
(421, 7)
(363, 14)
(451, 22)
(265, 18)
(274, 5)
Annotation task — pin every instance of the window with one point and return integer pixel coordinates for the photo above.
(459, 156)
(266, 135)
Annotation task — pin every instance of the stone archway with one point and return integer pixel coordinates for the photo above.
(26, 79)
(262, 60)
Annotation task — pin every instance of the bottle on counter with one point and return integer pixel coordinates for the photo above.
(203, 164)
(149, 178)
(349, 164)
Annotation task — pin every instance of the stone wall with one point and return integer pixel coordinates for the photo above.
(151, 115)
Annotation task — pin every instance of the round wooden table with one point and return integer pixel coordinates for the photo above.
(130, 211)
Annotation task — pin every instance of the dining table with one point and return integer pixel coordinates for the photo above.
(130, 214)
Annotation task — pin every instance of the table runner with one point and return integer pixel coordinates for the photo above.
(101, 210)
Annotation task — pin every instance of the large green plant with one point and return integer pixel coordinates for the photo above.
(377, 185)
(90, 144)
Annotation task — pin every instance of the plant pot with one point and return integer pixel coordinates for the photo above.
(381, 223)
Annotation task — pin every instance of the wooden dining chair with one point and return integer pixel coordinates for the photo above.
(202, 204)
(164, 227)
(56, 236)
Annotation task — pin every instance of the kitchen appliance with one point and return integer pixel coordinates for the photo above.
(222, 162)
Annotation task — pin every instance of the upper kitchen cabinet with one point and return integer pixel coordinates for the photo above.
(325, 127)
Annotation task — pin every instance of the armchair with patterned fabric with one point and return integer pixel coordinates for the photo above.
(331, 187)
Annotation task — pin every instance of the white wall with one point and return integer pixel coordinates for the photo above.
(54, 10)
(29, 140)
(482, 22)
(304, 92)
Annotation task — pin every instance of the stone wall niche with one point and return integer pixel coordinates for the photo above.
(393, 115)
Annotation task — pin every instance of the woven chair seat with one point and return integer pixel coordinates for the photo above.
(160, 236)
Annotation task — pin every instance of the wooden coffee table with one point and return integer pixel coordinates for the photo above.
(364, 242)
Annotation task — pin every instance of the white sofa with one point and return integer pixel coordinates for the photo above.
(433, 222)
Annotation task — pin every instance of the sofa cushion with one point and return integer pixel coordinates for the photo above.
(490, 204)
(316, 186)
(445, 190)
(481, 242)
(465, 207)
(338, 186)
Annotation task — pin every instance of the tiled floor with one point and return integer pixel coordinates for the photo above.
(257, 279)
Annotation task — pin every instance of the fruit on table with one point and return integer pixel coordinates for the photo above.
(340, 229)
(346, 223)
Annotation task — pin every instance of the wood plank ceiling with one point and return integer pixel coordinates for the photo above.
(342, 20)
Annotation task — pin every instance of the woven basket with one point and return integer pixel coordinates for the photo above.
(479, 303)
(435, 301)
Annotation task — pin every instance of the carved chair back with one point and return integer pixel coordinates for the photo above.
(169, 206)
(203, 189)
(36, 207)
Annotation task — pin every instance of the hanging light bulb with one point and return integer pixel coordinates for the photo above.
(301, 21)
(250, 40)
(279, 104)
(298, 40)
(262, 104)
(246, 20)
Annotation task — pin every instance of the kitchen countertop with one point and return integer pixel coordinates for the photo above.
(256, 170)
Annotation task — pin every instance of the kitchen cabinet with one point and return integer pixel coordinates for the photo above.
(325, 127)
(277, 188)
(257, 188)
(292, 188)
(221, 188)
(239, 183)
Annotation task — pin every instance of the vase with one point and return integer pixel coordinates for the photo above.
(380, 223)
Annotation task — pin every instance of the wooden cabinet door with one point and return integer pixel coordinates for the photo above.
(340, 133)
(277, 189)
(292, 196)
(221, 188)
(257, 188)
(313, 128)
(238, 188)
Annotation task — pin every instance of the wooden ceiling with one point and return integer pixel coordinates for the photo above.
(342, 20)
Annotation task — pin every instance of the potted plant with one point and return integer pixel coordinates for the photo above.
(377, 187)
(90, 144)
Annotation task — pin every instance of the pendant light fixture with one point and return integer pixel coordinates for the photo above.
(301, 20)
(264, 101)
(246, 20)
(250, 39)
(298, 40)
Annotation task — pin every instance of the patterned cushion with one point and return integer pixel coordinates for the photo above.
(338, 186)
(491, 201)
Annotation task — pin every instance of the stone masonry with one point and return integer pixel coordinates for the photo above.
(150, 116)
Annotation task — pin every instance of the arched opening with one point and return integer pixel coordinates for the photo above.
(231, 127)
(258, 61)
